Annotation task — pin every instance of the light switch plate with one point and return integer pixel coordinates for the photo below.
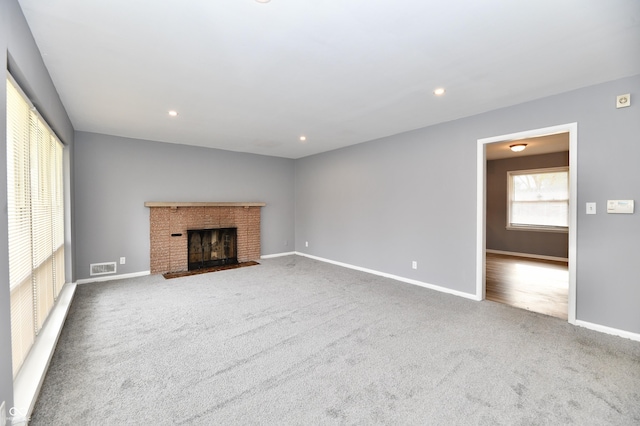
(591, 208)
(620, 206)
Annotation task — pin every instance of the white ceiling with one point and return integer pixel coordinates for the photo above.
(253, 77)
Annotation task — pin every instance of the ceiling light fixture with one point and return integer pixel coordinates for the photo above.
(173, 113)
(303, 138)
(263, 1)
(518, 147)
(439, 91)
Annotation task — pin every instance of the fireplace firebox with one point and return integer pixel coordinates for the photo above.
(212, 247)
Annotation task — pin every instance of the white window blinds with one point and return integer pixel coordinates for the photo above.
(36, 221)
(18, 187)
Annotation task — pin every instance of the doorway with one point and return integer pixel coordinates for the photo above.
(538, 136)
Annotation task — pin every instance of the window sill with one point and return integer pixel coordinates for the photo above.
(557, 230)
(28, 381)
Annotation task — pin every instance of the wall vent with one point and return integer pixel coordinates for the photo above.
(103, 268)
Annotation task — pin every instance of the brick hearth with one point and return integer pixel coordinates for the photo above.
(170, 222)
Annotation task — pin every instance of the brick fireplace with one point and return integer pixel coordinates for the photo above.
(171, 221)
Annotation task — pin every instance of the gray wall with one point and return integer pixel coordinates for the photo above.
(115, 176)
(412, 196)
(531, 242)
(386, 203)
(19, 51)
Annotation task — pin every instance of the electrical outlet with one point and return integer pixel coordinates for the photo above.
(306, 243)
(123, 260)
(414, 264)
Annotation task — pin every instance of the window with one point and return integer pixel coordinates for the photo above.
(538, 199)
(35, 210)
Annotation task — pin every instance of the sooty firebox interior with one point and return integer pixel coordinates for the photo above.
(212, 247)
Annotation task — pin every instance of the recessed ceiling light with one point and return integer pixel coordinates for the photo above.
(303, 138)
(439, 91)
(263, 1)
(173, 113)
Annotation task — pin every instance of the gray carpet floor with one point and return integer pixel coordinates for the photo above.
(293, 341)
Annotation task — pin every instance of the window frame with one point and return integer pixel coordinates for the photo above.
(538, 228)
(36, 220)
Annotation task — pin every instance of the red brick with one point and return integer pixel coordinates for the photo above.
(169, 254)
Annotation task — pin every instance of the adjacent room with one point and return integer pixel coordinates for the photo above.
(527, 217)
(338, 212)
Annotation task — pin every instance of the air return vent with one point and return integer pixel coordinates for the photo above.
(103, 268)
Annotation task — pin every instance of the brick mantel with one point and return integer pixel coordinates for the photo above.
(170, 221)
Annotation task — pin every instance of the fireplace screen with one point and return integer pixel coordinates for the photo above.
(212, 247)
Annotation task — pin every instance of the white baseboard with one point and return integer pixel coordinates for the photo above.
(271, 256)
(579, 323)
(531, 256)
(608, 330)
(113, 277)
(27, 383)
(394, 277)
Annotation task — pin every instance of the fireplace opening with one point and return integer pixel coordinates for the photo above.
(212, 247)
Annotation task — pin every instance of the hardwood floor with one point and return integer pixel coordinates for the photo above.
(536, 285)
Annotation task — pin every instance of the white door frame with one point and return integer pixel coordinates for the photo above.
(572, 129)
